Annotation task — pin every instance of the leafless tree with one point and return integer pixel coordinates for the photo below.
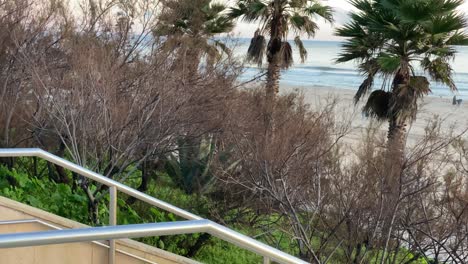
(104, 93)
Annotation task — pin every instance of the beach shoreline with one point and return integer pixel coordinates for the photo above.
(431, 108)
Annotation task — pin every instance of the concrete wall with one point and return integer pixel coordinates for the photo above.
(132, 252)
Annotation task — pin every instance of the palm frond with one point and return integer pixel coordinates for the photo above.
(182, 17)
(257, 48)
(447, 6)
(364, 88)
(301, 48)
(351, 30)
(216, 8)
(362, 5)
(237, 11)
(378, 105)
(218, 25)
(317, 9)
(458, 38)
(297, 3)
(420, 86)
(410, 10)
(274, 47)
(222, 47)
(361, 43)
(446, 52)
(439, 71)
(303, 24)
(286, 55)
(442, 25)
(369, 69)
(250, 11)
(404, 104)
(388, 64)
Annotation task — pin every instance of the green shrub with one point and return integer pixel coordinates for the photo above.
(62, 200)
(55, 198)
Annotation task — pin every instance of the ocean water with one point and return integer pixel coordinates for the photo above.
(320, 69)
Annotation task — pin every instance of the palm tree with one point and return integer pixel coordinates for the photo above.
(189, 27)
(277, 18)
(396, 40)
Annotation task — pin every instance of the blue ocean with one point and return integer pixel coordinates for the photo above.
(320, 69)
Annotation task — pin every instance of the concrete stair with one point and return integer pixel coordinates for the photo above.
(17, 217)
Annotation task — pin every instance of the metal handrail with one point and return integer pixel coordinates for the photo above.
(200, 225)
(37, 221)
(40, 238)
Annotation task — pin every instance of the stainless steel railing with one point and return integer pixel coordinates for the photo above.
(54, 227)
(129, 231)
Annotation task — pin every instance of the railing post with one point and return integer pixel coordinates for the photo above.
(266, 260)
(112, 220)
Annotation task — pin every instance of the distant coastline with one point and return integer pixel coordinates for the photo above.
(321, 70)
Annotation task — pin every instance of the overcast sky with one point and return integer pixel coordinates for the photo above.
(341, 8)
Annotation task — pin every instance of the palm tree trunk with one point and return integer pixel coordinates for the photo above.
(393, 169)
(396, 144)
(187, 61)
(394, 163)
(273, 74)
(271, 90)
(397, 131)
(192, 61)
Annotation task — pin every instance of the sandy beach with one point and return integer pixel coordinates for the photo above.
(430, 109)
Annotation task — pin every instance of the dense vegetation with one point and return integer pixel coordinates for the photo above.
(146, 93)
(71, 202)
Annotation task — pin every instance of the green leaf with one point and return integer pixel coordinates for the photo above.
(458, 39)
(388, 63)
(161, 244)
(321, 10)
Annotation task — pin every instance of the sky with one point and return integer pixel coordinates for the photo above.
(341, 8)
